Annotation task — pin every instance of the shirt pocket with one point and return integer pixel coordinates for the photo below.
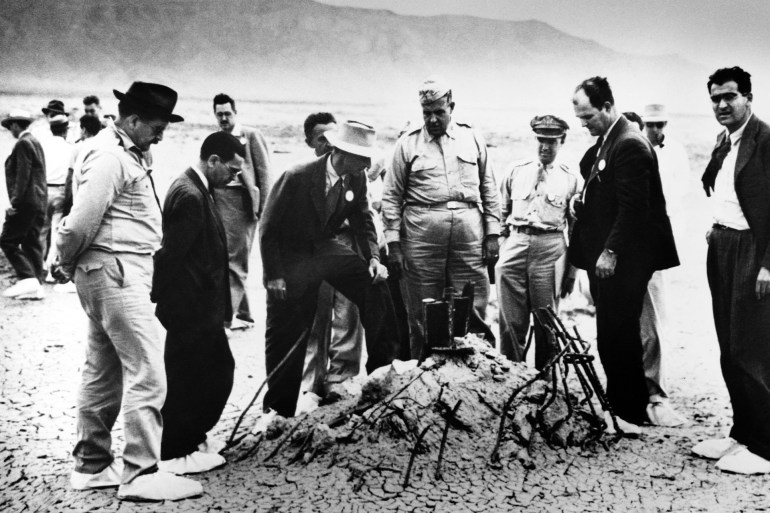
(424, 164)
(468, 167)
(554, 209)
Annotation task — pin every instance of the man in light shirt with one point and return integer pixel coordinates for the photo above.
(738, 267)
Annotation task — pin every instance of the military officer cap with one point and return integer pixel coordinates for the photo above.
(434, 88)
(549, 127)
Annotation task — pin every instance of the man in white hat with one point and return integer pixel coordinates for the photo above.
(441, 209)
(26, 185)
(300, 248)
(674, 169)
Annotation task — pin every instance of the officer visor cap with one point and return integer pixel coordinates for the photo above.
(548, 126)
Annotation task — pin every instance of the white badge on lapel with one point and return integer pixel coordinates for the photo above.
(349, 196)
(602, 164)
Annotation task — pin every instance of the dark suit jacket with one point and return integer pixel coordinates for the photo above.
(294, 226)
(624, 209)
(752, 183)
(25, 174)
(190, 283)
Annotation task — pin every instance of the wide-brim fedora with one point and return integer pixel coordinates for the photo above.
(353, 137)
(54, 107)
(152, 99)
(16, 115)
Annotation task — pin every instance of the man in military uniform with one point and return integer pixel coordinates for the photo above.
(530, 274)
(441, 208)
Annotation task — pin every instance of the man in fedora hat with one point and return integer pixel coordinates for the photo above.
(240, 203)
(531, 270)
(674, 170)
(106, 244)
(26, 186)
(441, 209)
(300, 248)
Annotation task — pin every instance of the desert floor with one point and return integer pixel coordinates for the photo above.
(43, 346)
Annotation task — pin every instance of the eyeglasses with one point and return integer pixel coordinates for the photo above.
(727, 97)
(655, 124)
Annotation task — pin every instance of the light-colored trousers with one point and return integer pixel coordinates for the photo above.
(442, 248)
(653, 327)
(54, 213)
(528, 275)
(335, 344)
(124, 363)
(239, 230)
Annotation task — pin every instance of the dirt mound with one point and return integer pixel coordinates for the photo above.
(440, 420)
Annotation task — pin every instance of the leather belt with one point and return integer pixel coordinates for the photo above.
(531, 230)
(451, 205)
(55, 185)
(718, 226)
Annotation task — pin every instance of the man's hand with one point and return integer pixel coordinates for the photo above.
(575, 206)
(396, 261)
(568, 282)
(59, 273)
(377, 271)
(605, 266)
(708, 234)
(491, 250)
(10, 211)
(763, 283)
(277, 288)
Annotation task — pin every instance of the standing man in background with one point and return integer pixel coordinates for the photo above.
(674, 171)
(26, 185)
(737, 180)
(531, 272)
(240, 204)
(441, 209)
(621, 236)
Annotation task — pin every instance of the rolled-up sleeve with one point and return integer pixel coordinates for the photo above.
(100, 182)
(393, 192)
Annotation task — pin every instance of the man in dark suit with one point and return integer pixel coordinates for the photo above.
(240, 204)
(300, 249)
(737, 180)
(622, 234)
(191, 288)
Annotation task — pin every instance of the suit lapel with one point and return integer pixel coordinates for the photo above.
(192, 175)
(318, 188)
(747, 145)
(600, 163)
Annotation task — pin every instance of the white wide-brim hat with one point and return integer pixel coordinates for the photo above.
(16, 115)
(353, 137)
(654, 113)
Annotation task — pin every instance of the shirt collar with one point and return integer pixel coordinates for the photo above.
(735, 137)
(331, 173)
(237, 130)
(605, 134)
(200, 175)
(126, 141)
(449, 132)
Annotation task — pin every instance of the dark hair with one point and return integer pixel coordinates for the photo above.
(91, 124)
(225, 146)
(59, 129)
(22, 123)
(635, 118)
(221, 99)
(741, 77)
(598, 91)
(90, 99)
(317, 118)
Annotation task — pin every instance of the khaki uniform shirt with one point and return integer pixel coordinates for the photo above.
(537, 197)
(431, 170)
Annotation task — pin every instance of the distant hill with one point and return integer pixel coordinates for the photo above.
(300, 50)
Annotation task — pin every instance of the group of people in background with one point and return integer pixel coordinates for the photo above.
(353, 244)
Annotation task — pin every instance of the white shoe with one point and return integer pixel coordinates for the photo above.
(240, 324)
(743, 461)
(66, 288)
(212, 446)
(49, 277)
(193, 463)
(110, 476)
(160, 486)
(715, 448)
(625, 427)
(661, 413)
(28, 288)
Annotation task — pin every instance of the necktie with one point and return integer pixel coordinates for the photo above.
(332, 198)
(714, 165)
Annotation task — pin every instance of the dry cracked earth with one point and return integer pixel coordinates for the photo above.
(42, 351)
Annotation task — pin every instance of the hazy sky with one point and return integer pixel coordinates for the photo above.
(715, 33)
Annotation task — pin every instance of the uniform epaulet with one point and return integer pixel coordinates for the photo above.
(564, 167)
(414, 130)
(463, 124)
(522, 163)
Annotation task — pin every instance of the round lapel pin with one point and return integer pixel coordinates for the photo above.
(602, 164)
(349, 196)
